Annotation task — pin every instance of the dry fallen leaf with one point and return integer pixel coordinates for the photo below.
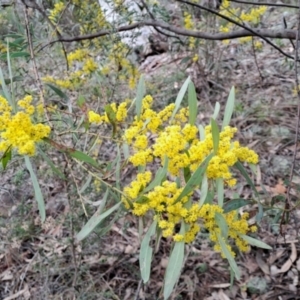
(287, 265)
(261, 263)
(25, 293)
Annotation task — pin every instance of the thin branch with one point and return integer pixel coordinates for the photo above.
(34, 5)
(36, 73)
(156, 28)
(265, 4)
(255, 60)
(137, 294)
(262, 33)
(251, 31)
(285, 26)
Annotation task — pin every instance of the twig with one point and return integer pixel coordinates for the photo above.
(255, 60)
(252, 32)
(138, 290)
(262, 33)
(73, 248)
(265, 4)
(288, 203)
(34, 5)
(37, 76)
(157, 28)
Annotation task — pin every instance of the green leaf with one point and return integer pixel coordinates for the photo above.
(195, 179)
(221, 222)
(10, 73)
(255, 242)
(209, 198)
(104, 230)
(95, 220)
(243, 171)
(201, 132)
(260, 214)
(37, 190)
(14, 79)
(253, 168)
(83, 157)
(187, 174)
(229, 257)
(5, 89)
(86, 184)
(141, 91)
(51, 164)
(186, 59)
(19, 41)
(234, 204)
(174, 266)
(217, 110)
(231, 278)
(142, 199)
(58, 91)
(19, 54)
(141, 227)
(118, 168)
(103, 201)
(180, 97)
(159, 176)
(111, 115)
(81, 101)
(192, 100)
(15, 55)
(14, 36)
(215, 135)
(16, 44)
(146, 252)
(6, 157)
(220, 191)
(204, 190)
(126, 150)
(229, 108)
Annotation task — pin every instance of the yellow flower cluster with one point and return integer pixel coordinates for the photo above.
(92, 19)
(120, 113)
(118, 61)
(195, 58)
(254, 15)
(58, 8)
(3, 47)
(251, 17)
(189, 24)
(63, 83)
(228, 154)
(162, 200)
(179, 142)
(74, 78)
(17, 130)
(77, 55)
(94, 117)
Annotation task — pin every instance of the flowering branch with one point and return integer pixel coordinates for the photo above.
(263, 33)
(245, 32)
(265, 4)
